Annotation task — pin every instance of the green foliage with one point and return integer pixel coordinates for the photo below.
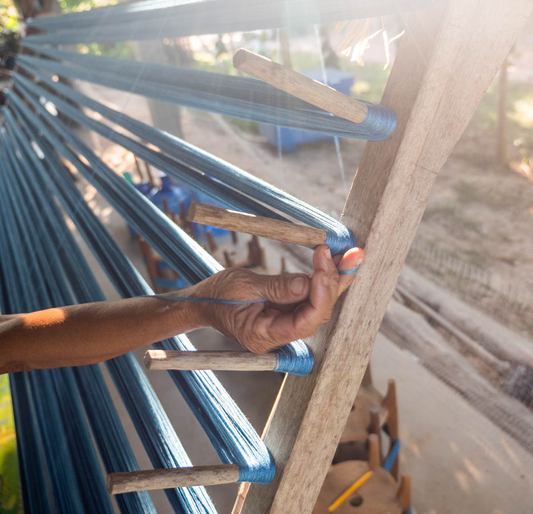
(9, 22)
(9, 34)
(84, 5)
(120, 50)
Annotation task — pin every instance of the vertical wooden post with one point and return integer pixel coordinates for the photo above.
(449, 55)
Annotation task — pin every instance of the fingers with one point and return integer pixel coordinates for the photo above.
(284, 289)
(302, 303)
(305, 319)
(324, 283)
(326, 286)
(349, 262)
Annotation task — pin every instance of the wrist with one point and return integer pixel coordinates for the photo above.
(189, 313)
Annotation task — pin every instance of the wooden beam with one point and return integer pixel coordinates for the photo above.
(152, 479)
(256, 225)
(450, 53)
(300, 86)
(213, 360)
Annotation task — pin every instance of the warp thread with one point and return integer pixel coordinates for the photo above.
(254, 468)
(238, 97)
(148, 20)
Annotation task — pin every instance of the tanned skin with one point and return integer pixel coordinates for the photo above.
(297, 304)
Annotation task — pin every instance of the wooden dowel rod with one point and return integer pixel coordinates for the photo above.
(213, 360)
(309, 90)
(150, 479)
(256, 225)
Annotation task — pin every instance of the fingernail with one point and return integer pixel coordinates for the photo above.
(297, 285)
(328, 252)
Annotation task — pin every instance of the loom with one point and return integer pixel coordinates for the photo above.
(60, 412)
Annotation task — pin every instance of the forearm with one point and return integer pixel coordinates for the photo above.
(89, 333)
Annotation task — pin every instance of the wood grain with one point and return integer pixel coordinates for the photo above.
(213, 360)
(256, 225)
(150, 479)
(471, 346)
(309, 90)
(497, 339)
(448, 56)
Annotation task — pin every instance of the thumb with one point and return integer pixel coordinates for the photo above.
(287, 288)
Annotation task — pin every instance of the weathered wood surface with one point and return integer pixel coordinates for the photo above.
(503, 368)
(410, 330)
(292, 82)
(449, 55)
(150, 479)
(257, 225)
(211, 360)
(493, 336)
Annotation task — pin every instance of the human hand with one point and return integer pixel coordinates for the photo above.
(296, 303)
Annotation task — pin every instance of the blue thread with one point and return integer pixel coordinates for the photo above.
(350, 272)
(242, 446)
(150, 420)
(392, 456)
(57, 426)
(340, 240)
(204, 300)
(238, 97)
(143, 20)
(254, 468)
(339, 237)
(295, 358)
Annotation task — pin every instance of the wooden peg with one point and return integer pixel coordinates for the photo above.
(375, 428)
(256, 254)
(166, 209)
(138, 167)
(257, 225)
(373, 451)
(149, 174)
(390, 403)
(150, 479)
(404, 493)
(151, 264)
(213, 360)
(184, 223)
(309, 90)
(228, 259)
(211, 242)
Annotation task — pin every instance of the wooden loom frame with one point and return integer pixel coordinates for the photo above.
(448, 57)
